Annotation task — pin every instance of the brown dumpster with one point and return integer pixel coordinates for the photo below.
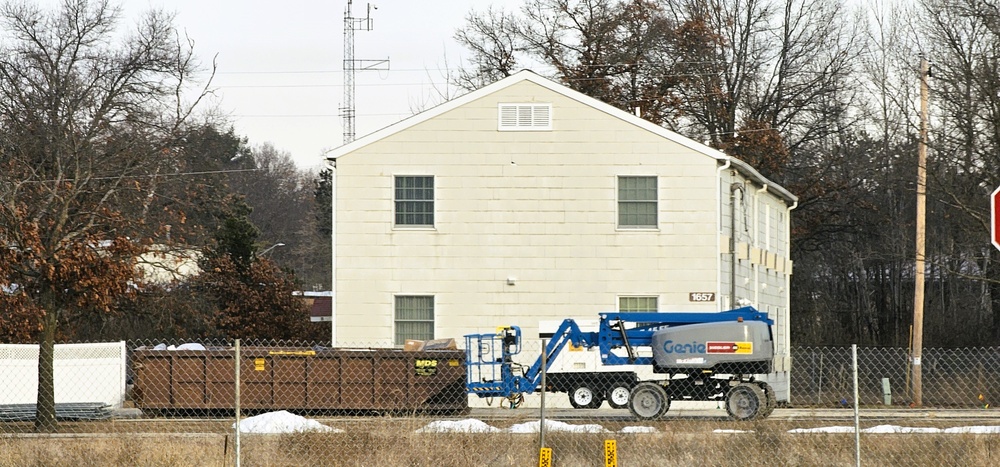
(382, 380)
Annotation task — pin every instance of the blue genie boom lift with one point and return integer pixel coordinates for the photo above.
(703, 357)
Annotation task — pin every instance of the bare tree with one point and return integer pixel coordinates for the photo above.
(87, 117)
(616, 51)
(493, 38)
(962, 39)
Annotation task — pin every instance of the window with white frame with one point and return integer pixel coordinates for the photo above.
(524, 117)
(781, 233)
(760, 224)
(414, 318)
(414, 196)
(638, 304)
(637, 202)
(772, 232)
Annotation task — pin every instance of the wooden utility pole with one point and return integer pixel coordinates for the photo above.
(918, 276)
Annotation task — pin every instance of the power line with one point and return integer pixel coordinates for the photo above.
(424, 83)
(405, 114)
(322, 72)
(414, 70)
(311, 85)
(174, 174)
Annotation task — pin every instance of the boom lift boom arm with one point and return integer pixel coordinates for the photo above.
(491, 371)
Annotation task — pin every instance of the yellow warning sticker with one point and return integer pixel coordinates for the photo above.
(258, 364)
(545, 457)
(729, 347)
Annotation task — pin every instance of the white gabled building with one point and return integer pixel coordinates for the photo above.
(527, 201)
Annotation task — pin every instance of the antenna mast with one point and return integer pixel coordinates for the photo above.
(352, 66)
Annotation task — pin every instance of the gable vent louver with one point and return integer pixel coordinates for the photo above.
(525, 117)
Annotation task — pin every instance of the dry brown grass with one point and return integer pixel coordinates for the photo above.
(394, 442)
(118, 450)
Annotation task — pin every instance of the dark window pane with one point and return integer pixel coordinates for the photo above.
(414, 200)
(414, 318)
(637, 202)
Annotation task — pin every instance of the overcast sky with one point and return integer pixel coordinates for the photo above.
(280, 63)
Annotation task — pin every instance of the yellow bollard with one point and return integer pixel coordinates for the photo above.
(610, 453)
(545, 457)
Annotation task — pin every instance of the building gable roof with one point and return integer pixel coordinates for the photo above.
(530, 76)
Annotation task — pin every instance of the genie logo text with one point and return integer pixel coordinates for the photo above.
(693, 347)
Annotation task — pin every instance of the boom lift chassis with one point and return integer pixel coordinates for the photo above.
(492, 372)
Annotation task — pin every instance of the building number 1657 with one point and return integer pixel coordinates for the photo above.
(701, 297)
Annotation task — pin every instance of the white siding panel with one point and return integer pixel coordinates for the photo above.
(539, 207)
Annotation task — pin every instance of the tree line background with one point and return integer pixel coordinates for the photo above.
(821, 96)
(102, 160)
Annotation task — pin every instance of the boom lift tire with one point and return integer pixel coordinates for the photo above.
(648, 401)
(772, 399)
(618, 395)
(584, 397)
(746, 401)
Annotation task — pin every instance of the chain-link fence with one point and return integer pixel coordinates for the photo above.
(175, 403)
(951, 378)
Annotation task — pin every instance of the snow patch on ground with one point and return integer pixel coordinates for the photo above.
(472, 425)
(825, 429)
(639, 429)
(476, 426)
(282, 421)
(285, 422)
(553, 425)
(899, 429)
(894, 429)
(980, 430)
(469, 425)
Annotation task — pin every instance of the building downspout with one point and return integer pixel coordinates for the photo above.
(718, 229)
(333, 252)
(733, 188)
(788, 296)
(766, 242)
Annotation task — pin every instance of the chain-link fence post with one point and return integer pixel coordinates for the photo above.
(541, 411)
(236, 348)
(857, 419)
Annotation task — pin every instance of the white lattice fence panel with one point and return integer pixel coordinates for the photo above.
(83, 373)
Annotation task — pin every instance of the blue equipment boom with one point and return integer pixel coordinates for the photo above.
(692, 349)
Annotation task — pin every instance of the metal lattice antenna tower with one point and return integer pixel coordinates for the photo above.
(352, 66)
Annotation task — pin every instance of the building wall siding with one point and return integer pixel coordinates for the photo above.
(537, 207)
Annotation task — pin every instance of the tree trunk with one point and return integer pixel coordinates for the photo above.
(45, 415)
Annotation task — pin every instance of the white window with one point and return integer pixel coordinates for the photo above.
(414, 199)
(769, 228)
(414, 318)
(638, 304)
(525, 117)
(781, 234)
(637, 202)
(760, 221)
